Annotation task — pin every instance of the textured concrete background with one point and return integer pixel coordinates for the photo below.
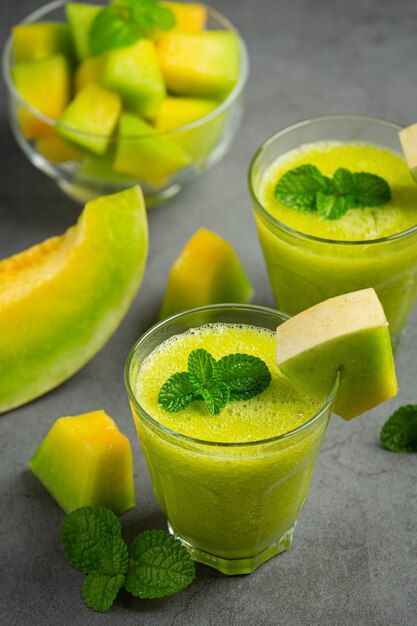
(355, 552)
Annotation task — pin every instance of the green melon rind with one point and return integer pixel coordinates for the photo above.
(366, 364)
(67, 319)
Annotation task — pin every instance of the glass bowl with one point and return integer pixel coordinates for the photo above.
(84, 176)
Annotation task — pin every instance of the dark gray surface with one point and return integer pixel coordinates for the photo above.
(354, 560)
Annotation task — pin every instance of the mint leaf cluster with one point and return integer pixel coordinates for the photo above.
(126, 21)
(234, 377)
(156, 565)
(399, 433)
(307, 189)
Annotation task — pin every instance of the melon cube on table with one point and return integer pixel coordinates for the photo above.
(204, 64)
(32, 42)
(142, 153)
(85, 460)
(207, 271)
(134, 73)
(80, 17)
(45, 85)
(90, 119)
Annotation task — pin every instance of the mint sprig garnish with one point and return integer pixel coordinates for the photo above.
(158, 565)
(126, 21)
(307, 189)
(399, 433)
(234, 377)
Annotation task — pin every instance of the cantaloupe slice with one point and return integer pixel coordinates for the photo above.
(207, 271)
(61, 300)
(85, 460)
(408, 139)
(141, 152)
(134, 73)
(202, 65)
(32, 42)
(90, 119)
(45, 86)
(347, 334)
(80, 17)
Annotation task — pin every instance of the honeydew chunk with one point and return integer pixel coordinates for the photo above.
(134, 73)
(32, 42)
(198, 141)
(85, 460)
(88, 71)
(142, 153)
(45, 86)
(90, 119)
(56, 149)
(204, 64)
(80, 17)
(189, 18)
(408, 139)
(347, 334)
(207, 271)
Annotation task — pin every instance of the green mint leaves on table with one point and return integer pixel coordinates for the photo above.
(234, 377)
(126, 21)
(399, 433)
(305, 188)
(157, 565)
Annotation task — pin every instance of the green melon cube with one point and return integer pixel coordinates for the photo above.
(90, 119)
(32, 42)
(85, 460)
(207, 271)
(142, 153)
(134, 73)
(80, 17)
(204, 64)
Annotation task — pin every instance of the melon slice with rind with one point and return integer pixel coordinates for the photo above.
(348, 335)
(61, 300)
(408, 139)
(85, 460)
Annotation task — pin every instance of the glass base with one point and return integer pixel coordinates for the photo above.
(233, 567)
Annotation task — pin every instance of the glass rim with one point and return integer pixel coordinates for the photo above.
(223, 106)
(204, 442)
(293, 231)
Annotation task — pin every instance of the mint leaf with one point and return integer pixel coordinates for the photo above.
(399, 433)
(216, 397)
(305, 188)
(92, 541)
(149, 15)
(100, 590)
(201, 367)
(111, 30)
(160, 565)
(177, 393)
(244, 374)
(298, 187)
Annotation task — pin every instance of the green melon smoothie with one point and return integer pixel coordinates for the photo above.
(232, 484)
(310, 258)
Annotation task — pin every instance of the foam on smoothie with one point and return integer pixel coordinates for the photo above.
(357, 224)
(279, 409)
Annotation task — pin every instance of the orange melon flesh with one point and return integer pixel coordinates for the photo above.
(85, 460)
(90, 119)
(61, 300)
(207, 271)
(347, 336)
(45, 86)
(56, 149)
(202, 65)
(32, 42)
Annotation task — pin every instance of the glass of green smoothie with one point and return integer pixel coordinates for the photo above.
(310, 258)
(233, 484)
